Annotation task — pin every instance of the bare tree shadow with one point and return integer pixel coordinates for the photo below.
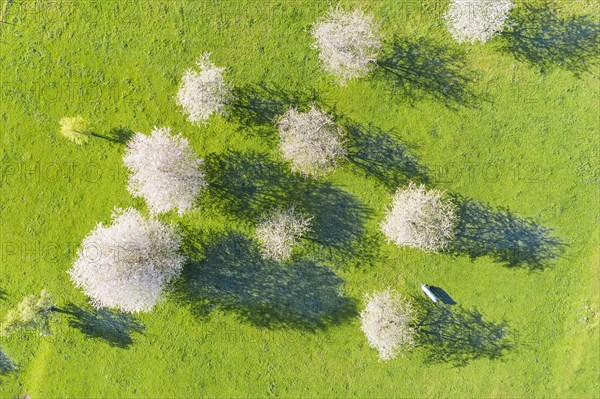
(419, 68)
(538, 35)
(120, 134)
(382, 155)
(234, 277)
(503, 236)
(6, 364)
(457, 335)
(248, 184)
(115, 328)
(116, 135)
(257, 105)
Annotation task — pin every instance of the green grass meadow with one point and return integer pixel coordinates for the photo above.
(523, 151)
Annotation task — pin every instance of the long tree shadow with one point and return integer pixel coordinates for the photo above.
(257, 105)
(6, 364)
(382, 155)
(113, 327)
(503, 236)
(420, 68)
(457, 335)
(538, 35)
(248, 184)
(234, 277)
(120, 134)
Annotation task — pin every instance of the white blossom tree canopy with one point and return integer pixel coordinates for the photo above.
(311, 141)
(420, 218)
(388, 322)
(278, 232)
(205, 92)
(477, 20)
(164, 171)
(128, 264)
(347, 43)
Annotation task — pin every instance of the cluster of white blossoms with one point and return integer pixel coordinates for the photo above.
(278, 232)
(204, 93)
(311, 141)
(420, 218)
(388, 323)
(477, 20)
(165, 171)
(126, 265)
(347, 43)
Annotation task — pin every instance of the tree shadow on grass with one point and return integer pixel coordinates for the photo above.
(116, 135)
(383, 156)
(113, 327)
(503, 236)
(538, 35)
(248, 184)
(234, 277)
(257, 106)
(120, 134)
(419, 68)
(457, 335)
(2, 294)
(6, 364)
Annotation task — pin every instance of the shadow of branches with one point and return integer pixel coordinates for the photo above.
(382, 155)
(257, 105)
(120, 134)
(538, 35)
(113, 327)
(457, 335)
(6, 364)
(503, 236)
(234, 277)
(419, 68)
(248, 184)
(375, 151)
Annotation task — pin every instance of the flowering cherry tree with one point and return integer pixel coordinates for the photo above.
(205, 92)
(165, 171)
(472, 21)
(420, 218)
(279, 232)
(388, 323)
(347, 43)
(311, 141)
(128, 264)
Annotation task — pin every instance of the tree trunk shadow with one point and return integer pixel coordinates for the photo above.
(257, 106)
(383, 156)
(113, 327)
(503, 236)
(458, 336)
(419, 68)
(234, 277)
(249, 184)
(7, 365)
(539, 36)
